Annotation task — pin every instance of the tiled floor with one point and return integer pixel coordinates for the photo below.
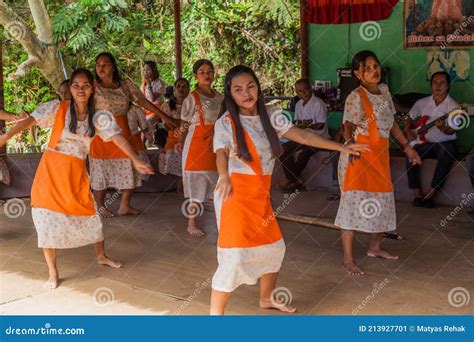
(168, 272)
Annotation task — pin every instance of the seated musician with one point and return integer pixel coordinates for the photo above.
(439, 141)
(311, 114)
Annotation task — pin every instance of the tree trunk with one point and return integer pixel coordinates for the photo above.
(41, 52)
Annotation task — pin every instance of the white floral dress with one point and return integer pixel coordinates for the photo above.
(115, 173)
(199, 185)
(169, 161)
(247, 264)
(57, 230)
(371, 212)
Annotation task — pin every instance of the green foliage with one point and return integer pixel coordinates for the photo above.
(263, 34)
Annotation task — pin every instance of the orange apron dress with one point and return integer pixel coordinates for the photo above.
(200, 156)
(367, 203)
(370, 172)
(61, 183)
(247, 225)
(63, 209)
(199, 159)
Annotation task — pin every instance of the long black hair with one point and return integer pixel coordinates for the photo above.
(172, 102)
(154, 69)
(90, 104)
(229, 105)
(115, 75)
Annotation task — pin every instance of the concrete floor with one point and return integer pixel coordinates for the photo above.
(168, 272)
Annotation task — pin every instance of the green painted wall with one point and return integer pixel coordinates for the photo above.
(329, 48)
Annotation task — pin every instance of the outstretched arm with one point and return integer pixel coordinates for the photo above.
(19, 127)
(125, 146)
(311, 139)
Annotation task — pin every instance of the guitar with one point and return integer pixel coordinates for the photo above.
(416, 135)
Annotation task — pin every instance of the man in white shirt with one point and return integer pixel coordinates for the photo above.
(310, 114)
(440, 139)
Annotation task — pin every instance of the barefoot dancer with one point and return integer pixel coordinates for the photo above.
(62, 205)
(367, 203)
(246, 141)
(109, 166)
(198, 115)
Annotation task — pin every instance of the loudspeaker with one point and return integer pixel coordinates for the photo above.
(346, 83)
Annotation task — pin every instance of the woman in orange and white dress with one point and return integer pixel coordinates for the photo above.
(198, 115)
(63, 209)
(250, 245)
(170, 160)
(109, 166)
(367, 203)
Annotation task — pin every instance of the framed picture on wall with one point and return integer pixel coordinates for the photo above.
(455, 62)
(444, 24)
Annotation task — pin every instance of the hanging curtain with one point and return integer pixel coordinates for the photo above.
(347, 11)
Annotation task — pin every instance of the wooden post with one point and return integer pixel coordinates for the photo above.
(303, 41)
(177, 39)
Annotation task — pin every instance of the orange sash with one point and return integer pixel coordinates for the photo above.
(201, 156)
(108, 150)
(247, 218)
(371, 172)
(61, 182)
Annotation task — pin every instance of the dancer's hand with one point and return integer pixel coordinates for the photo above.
(355, 149)
(413, 156)
(224, 187)
(143, 167)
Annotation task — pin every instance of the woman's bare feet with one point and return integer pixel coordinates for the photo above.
(380, 253)
(104, 260)
(352, 268)
(128, 211)
(105, 213)
(52, 281)
(269, 304)
(194, 230)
